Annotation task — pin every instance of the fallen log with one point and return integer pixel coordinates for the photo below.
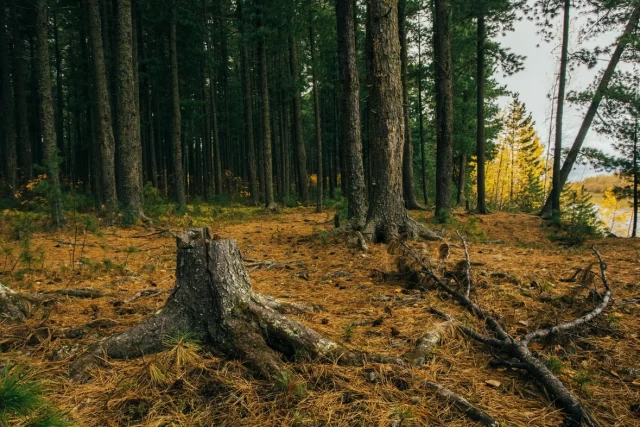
(213, 299)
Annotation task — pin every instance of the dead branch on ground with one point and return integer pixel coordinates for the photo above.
(516, 348)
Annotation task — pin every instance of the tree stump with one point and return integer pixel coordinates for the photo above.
(213, 299)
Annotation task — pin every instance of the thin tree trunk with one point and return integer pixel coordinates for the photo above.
(106, 141)
(301, 156)
(557, 155)
(350, 126)
(50, 148)
(634, 232)
(423, 158)
(59, 90)
(176, 117)
(408, 185)
(127, 122)
(8, 107)
(22, 114)
(266, 121)
(316, 110)
(570, 160)
(480, 135)
(444, 106)
(248, 110)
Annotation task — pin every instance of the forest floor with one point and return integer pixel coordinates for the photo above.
(517, 271)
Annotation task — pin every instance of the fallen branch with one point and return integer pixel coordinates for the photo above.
(91, 293)
(462, 404)
(518, 349)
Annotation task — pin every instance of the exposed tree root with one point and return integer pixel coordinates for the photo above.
(425, 346)
(384, 230)
(462, 404)
(255, 264)
(213, 299)
(79, 293)
(516, 349)
(272, 208)
(15, 306)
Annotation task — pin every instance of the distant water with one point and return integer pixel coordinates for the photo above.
(622, 224)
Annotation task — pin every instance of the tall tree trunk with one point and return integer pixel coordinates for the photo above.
(557, 155)
(22, 114)
(217, 160)
(266, 120)
(59, 91)
(104, 126)
(8, 107)
(423, 158)
(387, 215)
(408, 185)
(301, 156)
(572, 155)
(316, 110)
(480, 134)
(176, 119)
(129, 145)
(50, 148)
(444, 106)
(634, 232)
(248, 110)
(350, 137)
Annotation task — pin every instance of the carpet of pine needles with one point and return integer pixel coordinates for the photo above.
(517, 272)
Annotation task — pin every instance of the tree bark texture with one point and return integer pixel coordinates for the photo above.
(444, 106)
(387, 215)
(22, 114)
(104, 124)
(50, 149)
(176, 118)
(129, 144)
(318, 125)
(269, 199)
(8, 108)
(248, 112)
(350, 126)
(301, 157)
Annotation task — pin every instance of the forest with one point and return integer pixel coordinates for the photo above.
(317, 213)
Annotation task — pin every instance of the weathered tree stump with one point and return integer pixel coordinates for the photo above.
(213, 298)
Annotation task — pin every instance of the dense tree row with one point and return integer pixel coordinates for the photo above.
(386, 102)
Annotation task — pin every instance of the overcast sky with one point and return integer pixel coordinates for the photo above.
(535, 83)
